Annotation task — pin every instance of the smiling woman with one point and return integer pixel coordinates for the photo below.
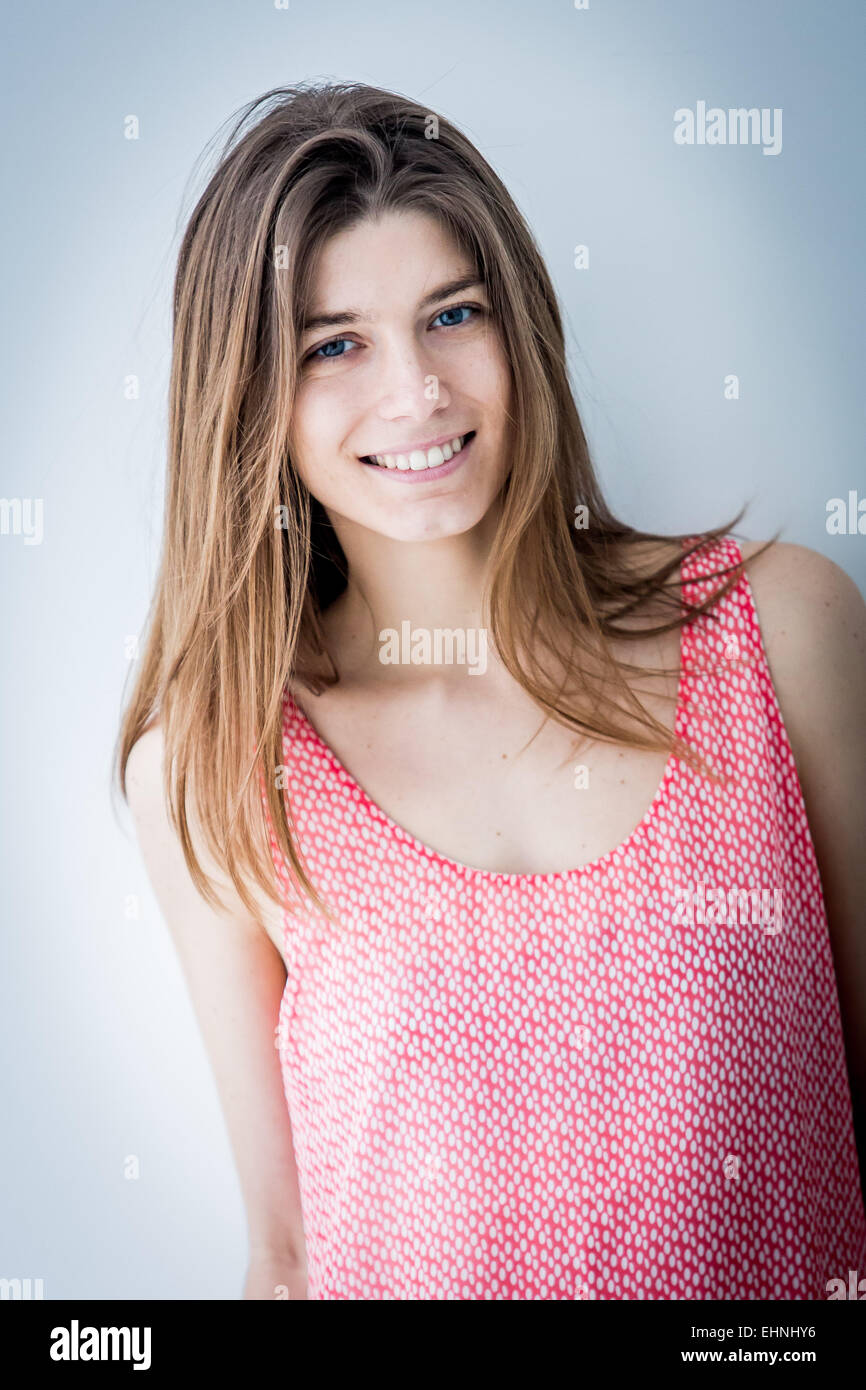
(474, 1032)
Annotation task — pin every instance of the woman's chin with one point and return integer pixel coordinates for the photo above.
(437, 525)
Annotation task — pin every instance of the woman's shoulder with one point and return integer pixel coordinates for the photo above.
(160, 845)
(812, 619)
(811, 614)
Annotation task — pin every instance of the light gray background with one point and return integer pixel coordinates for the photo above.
(704, 261)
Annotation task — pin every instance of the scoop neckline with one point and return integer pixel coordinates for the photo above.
(455, 866)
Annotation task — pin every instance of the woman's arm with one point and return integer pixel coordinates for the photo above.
(235, 977)
(813, 623)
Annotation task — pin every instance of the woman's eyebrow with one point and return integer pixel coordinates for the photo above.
(339, 318)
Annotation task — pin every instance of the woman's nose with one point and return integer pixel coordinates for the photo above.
(405, 379)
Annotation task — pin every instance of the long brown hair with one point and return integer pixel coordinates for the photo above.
(249, 559)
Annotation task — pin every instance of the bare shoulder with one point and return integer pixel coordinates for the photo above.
(813, 626)
(144, 769)
(160, 845)
(812, 617)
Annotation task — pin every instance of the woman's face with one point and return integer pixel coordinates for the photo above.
(405, 363)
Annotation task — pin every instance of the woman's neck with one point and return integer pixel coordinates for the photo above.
(429, 585)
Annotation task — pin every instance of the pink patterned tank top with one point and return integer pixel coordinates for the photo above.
(622, 1081)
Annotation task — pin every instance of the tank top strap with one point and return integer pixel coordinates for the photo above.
(732, 711)
(728, 636)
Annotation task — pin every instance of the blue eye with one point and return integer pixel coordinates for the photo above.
(329, 356)
(455, 309)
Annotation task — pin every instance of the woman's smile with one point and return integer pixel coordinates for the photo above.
(421, 465)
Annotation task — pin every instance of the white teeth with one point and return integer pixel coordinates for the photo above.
(420, 459)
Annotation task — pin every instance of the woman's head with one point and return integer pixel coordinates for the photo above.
(401, 417)
(347, 197)
(326, 200)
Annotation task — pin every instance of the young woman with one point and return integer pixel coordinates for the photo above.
(513, 855)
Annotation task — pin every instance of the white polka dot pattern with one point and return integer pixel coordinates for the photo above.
(521, 1086)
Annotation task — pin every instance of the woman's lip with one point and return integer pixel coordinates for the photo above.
(422, 475)
(425, 448)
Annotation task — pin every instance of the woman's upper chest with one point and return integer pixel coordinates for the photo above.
(474, 772)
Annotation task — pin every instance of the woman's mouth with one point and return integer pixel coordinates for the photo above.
(422, 464)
